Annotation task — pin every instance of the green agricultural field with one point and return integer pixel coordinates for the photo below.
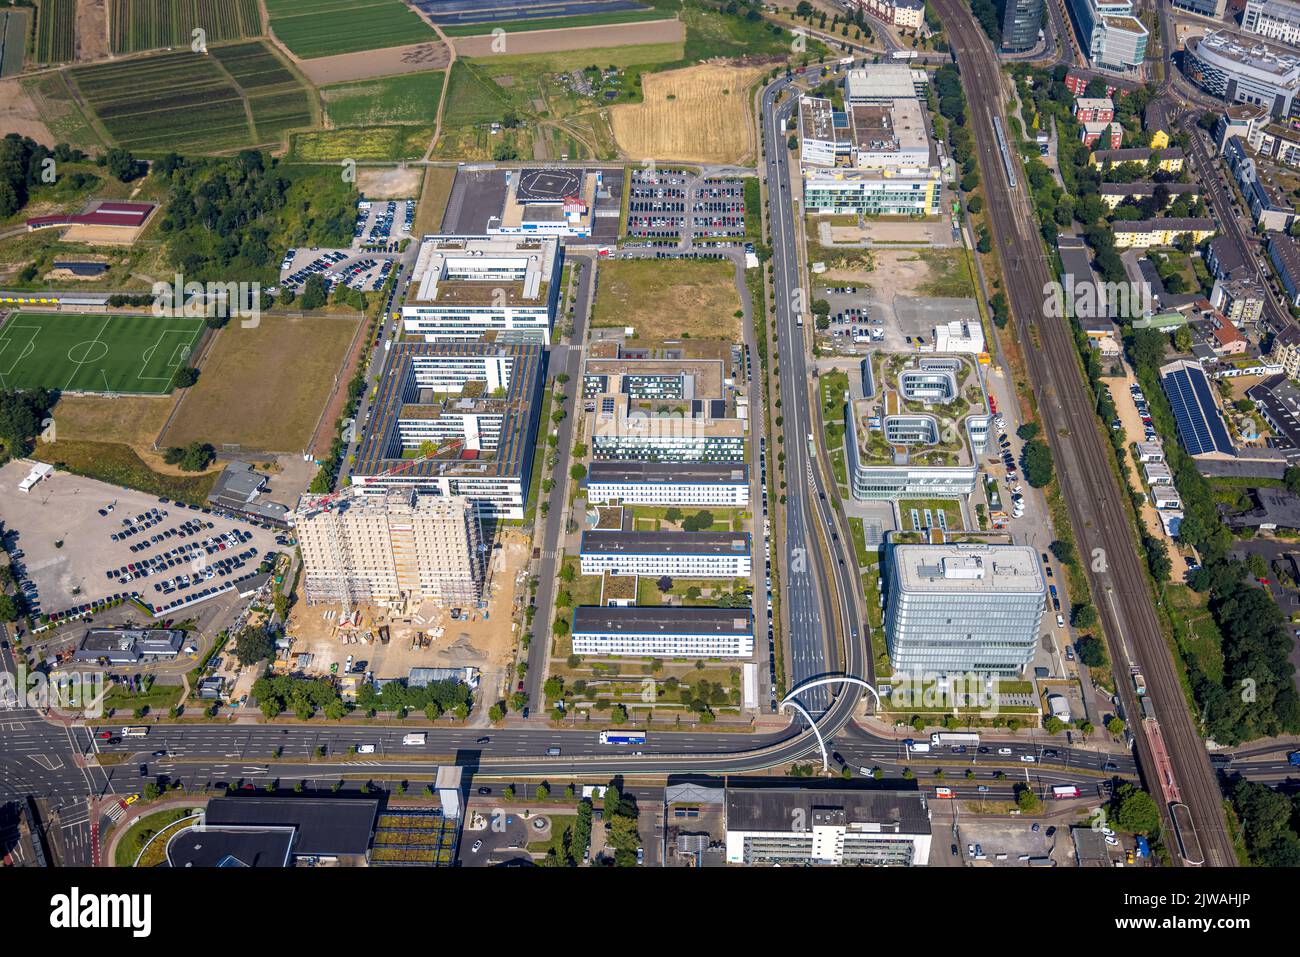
(136, 25)
(13, 40)
(362, 143)
(405, 98)
(56, 31)
(94, 353)
(316, 28)
(194, 103)
(666, 9)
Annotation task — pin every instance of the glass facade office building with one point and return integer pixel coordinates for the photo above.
(960, 608)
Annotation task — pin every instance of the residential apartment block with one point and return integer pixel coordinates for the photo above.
(960, 608)
(1285, 254)
(1169, 160)
(1274, 19)
(907, 14)
(397, 549)
(1145, 233)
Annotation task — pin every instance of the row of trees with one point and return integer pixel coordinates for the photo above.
(22, 412)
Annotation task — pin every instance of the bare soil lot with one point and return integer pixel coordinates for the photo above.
(668, 298)
(574, 38)
(400, 183)
(699, 114)
(366, 64)
(18, 114)
(264, 388)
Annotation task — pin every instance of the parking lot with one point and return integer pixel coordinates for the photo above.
(356, 270)
(381, 225)
(672, 206)
(69, 556)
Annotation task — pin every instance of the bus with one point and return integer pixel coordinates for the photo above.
(945, 793)
(622, 737)
(134, 732)
(1063, 791)
(954, 737)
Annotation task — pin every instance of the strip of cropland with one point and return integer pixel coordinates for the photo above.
(1098, 508)
(138, 25)
(56, 31)
(315, 28)
(195, 103)
(95, 353)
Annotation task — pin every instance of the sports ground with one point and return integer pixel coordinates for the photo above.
(94, 353)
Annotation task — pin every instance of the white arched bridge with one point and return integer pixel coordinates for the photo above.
(791, 700)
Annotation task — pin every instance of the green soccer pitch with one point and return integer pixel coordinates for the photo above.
(88, 353)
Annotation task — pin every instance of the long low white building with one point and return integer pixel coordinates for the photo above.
(777, 827)
(724, 484)
(663, 631)
(672, 553)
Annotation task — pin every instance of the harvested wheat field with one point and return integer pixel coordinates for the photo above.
(700, 114)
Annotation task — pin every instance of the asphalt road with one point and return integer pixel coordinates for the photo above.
(1098, 508)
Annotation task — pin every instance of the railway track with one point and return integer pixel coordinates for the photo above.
(1098, 507)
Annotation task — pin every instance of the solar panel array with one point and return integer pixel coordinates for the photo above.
(1200, 427)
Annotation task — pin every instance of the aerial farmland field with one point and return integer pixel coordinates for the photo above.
(195, 103)
(314, 29)
(56, 31)
(137, 25)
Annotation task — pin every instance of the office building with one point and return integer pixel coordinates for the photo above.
(276, 832)
(891, 136)
(789, 827)
(872, 192)
(1277, 399)
(678, 554)
(1273, 19)
(1109, 34)
(879, 84)
(917, 426)
(1022, 22)
(467, 288)
(549, 202)
(398, 549)
(664, 409)
(455, 419)
(963, 608)
(663, 631)
(1210, 9)
(724, 484)
(1243, 68)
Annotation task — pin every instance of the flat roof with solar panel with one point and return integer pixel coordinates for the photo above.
(1200, 424)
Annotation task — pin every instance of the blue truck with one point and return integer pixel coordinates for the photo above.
(1294, 758)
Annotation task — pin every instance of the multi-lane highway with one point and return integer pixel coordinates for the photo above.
(1098, 507)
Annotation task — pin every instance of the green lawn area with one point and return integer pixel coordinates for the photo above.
(159, 697)
(561, 830)
(950, 274)
(648, 593)
(128, 848)
(656, 516)
(404, 98)
(860, 543)
(950, 507)
(95, 353)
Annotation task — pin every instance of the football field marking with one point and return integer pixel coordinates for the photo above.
(22, 352)
(77, 370)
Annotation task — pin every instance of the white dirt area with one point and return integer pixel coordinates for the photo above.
(92, 30)
(486, 640)
(400, 183)
(922, 232)
(18, 114)
(368, 64)
(574, 38)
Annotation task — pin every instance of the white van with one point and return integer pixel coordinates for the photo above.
(365, 749)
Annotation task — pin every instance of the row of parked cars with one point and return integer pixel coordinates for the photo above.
(179, 555)
(218, 569)
(318, 265)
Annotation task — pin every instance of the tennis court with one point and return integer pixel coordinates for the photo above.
(94, 353)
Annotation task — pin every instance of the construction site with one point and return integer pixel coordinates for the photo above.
(405, 585)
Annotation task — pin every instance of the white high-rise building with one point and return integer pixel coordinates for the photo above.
(396, 549)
